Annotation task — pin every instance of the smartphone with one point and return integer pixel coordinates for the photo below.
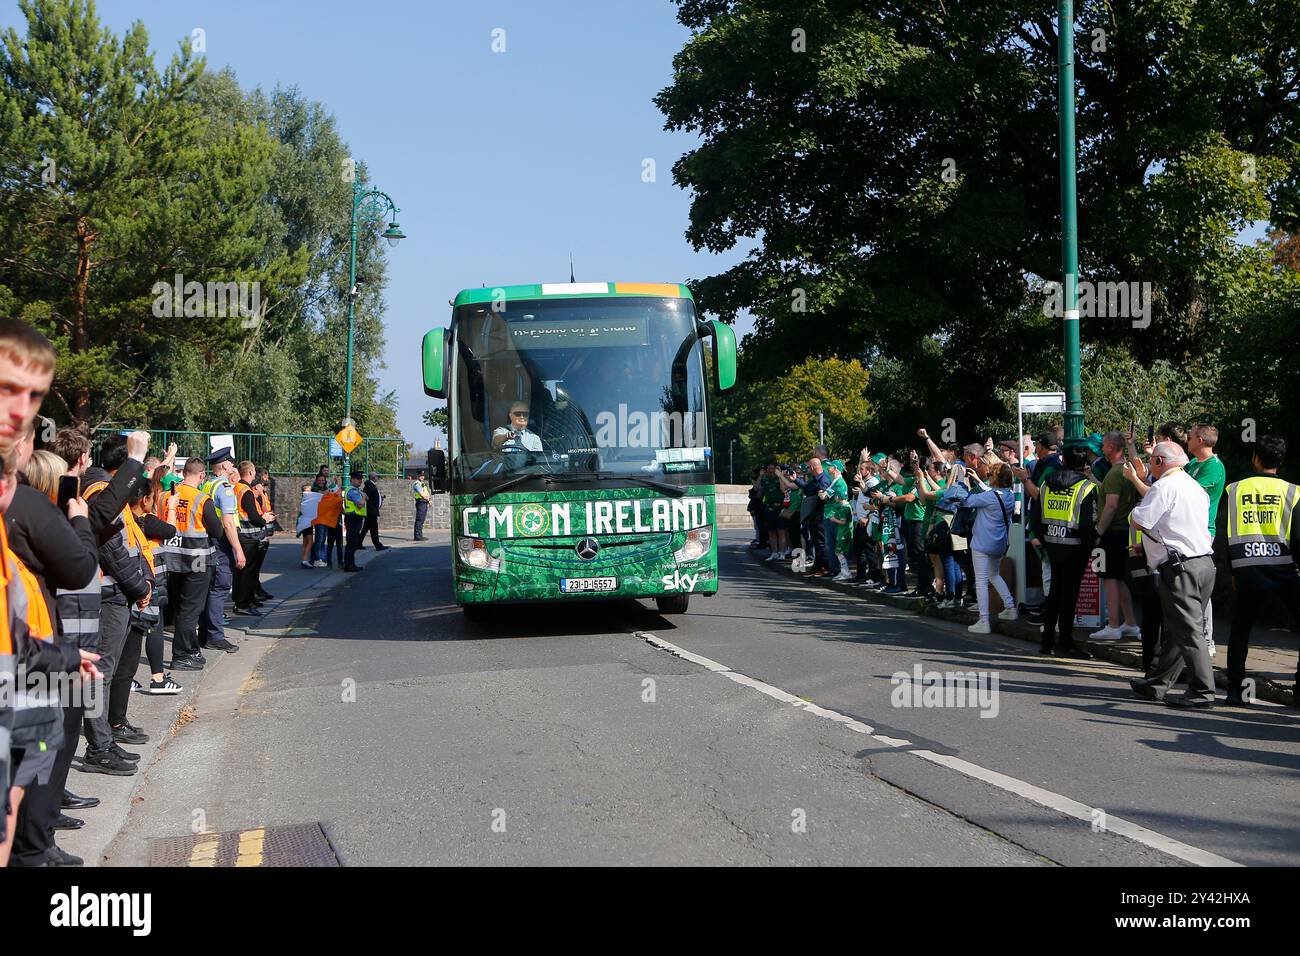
(1133, 428)
(69, 487)
(1151, 434)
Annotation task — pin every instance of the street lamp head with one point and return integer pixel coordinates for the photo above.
(394, 234)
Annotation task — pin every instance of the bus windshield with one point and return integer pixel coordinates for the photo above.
(604, 387)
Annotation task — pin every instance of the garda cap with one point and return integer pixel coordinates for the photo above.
(220, 455)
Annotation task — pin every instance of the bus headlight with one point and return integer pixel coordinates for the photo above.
(696, 545)
(474, 552)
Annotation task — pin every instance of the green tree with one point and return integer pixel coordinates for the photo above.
(894, 167)
(779, 421)
(115, 181)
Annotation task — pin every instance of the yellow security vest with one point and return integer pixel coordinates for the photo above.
(1260, 511)
(1063, 512)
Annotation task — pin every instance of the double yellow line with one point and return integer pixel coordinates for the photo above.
(248, 852)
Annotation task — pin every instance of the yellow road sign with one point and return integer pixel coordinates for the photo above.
(349, 438)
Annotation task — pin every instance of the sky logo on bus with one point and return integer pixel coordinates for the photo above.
(679, 582)
(622, 516)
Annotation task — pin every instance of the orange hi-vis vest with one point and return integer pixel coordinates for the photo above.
(247, 528)
(7, 661)
(191, 549)
(131, 533)
(28, 613)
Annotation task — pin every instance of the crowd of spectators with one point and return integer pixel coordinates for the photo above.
(936, 522)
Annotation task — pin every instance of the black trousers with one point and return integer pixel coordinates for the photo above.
(914, 539)
(1246, 605)
(34, 828)
(421, 515)
(246, 578)
(372, 528)
(355, 525)
(816, 526)
(119, 689)
(864, 554)
(188, 596)
(1068, 567)
(1153, 616)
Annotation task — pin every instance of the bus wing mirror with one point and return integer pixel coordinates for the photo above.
(435, 363)
(723, 341)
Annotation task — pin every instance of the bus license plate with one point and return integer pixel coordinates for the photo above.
(587, 585)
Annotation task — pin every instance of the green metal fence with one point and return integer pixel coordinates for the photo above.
(300, 455)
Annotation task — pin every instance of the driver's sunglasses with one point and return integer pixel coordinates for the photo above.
(518, 414)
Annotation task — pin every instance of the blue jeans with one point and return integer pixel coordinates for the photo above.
(829, 530)
(952, 574)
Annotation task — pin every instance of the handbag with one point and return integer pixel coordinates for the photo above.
(939, 540)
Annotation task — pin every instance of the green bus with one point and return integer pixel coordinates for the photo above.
(580, 465)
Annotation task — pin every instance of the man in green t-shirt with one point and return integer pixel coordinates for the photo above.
(1118, 496)
(914, 530)
(1204, 465)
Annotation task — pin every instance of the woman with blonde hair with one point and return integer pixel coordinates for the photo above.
(44, 471)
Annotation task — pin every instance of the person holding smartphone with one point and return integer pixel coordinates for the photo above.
(59, 548)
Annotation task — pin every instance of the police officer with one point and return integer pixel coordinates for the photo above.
(1263, 541)
(1068, 518)
(420, 491)
(354, 521)
(228, 555)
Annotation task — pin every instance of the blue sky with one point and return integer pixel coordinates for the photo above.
(502, 163)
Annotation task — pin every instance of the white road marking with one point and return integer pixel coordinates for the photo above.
(1045, 798)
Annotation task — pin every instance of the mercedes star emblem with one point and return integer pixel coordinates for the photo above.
(587, 548)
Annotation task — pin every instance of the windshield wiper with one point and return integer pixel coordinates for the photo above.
(570, 477)
(675, 490)
(483, 496)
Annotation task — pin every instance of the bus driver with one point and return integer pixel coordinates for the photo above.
(517, 436)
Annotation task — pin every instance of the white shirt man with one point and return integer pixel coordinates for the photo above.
(1171, 518)
(517, 435)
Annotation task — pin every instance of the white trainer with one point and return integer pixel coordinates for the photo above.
(1106, 634)
(980, 627)
(1008, 614)
(1130, 630)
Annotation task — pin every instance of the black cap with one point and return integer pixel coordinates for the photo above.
(356, 474)
(1047, 439)
(220, 455)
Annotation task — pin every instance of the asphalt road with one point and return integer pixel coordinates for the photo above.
(570, 735)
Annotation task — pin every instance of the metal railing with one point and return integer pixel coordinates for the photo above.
(287, 455)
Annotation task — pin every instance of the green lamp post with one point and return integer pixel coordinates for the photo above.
(1069, 227)
(371, 206)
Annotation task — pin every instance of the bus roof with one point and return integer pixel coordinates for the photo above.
(572, 290)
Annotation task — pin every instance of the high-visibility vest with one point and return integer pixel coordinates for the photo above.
(1260, 512)
(1137, 563)
(242, 489)
(1063, 513)
(30, 615)
(191, 549)
(262, 500)
(209, 488)
(7, 662)
(420, 491)
(352, 508)
(131, 533)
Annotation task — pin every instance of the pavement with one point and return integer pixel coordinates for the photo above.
(162, 718)
(772, 724)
